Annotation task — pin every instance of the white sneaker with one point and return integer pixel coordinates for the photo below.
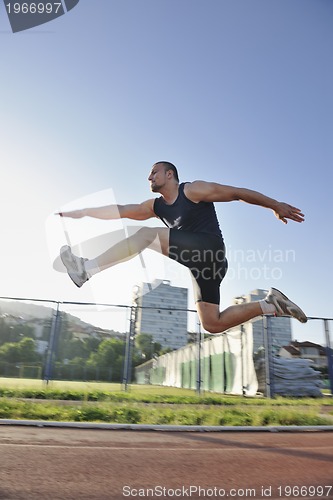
(74, 265)
(284, 306)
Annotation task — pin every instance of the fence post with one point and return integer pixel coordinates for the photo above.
(269, 368)
(199, 339)
(128, 350)
(242, 333)
(51, 346)
(329, 354)
(126, 359)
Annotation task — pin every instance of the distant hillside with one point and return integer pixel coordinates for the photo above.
(30, 311)
(25, 310)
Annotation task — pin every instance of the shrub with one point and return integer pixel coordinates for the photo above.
(92, 414)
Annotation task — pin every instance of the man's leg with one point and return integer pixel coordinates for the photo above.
(215, 321)
(275, 302)
(81, 269)
(155, 238)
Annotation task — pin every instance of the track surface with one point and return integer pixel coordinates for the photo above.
(54, 464)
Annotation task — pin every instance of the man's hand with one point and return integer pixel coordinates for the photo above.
(137, 211)
(283, 211)
(74, 214)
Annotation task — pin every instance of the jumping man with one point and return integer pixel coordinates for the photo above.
(192, 237)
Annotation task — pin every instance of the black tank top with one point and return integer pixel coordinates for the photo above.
(185, 215)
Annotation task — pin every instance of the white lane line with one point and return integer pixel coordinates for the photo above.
(115, 448)
(150, 448)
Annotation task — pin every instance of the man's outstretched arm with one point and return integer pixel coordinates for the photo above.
(139, 211)
(214, 192)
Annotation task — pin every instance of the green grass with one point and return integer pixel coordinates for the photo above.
(102, 402)
(139, 413)
(20, 383)
(94, 391)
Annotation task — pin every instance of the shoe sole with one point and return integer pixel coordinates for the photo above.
(67, 259)
(294, 310)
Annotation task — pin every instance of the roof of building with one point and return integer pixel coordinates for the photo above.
(307, 343)
(294, 351)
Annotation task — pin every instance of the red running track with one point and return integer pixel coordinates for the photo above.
(57, 463)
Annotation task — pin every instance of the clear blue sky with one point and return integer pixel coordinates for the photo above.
(238, 92)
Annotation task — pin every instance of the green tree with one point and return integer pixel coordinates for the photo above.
(5, 332)
(75, 348)
(47, 325)
(64, 338)
(14, 333)
(19, 352)
(27, 350)
(165, 350)
(9, 352)
(108, 351)
(91, 345)
(109, 355)
(145, 343)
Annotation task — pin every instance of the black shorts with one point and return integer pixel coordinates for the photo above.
(204, 255)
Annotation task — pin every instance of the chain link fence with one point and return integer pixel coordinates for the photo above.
(51, 340)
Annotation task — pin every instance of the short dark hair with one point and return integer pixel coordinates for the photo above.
(169, 166)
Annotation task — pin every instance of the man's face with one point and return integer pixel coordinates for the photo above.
(157, 178)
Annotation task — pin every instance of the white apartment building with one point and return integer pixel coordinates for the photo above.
(280, 326)
(162, 313)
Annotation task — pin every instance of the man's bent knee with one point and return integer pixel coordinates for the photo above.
(209, 315)
(147, 234)
(211, 326)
